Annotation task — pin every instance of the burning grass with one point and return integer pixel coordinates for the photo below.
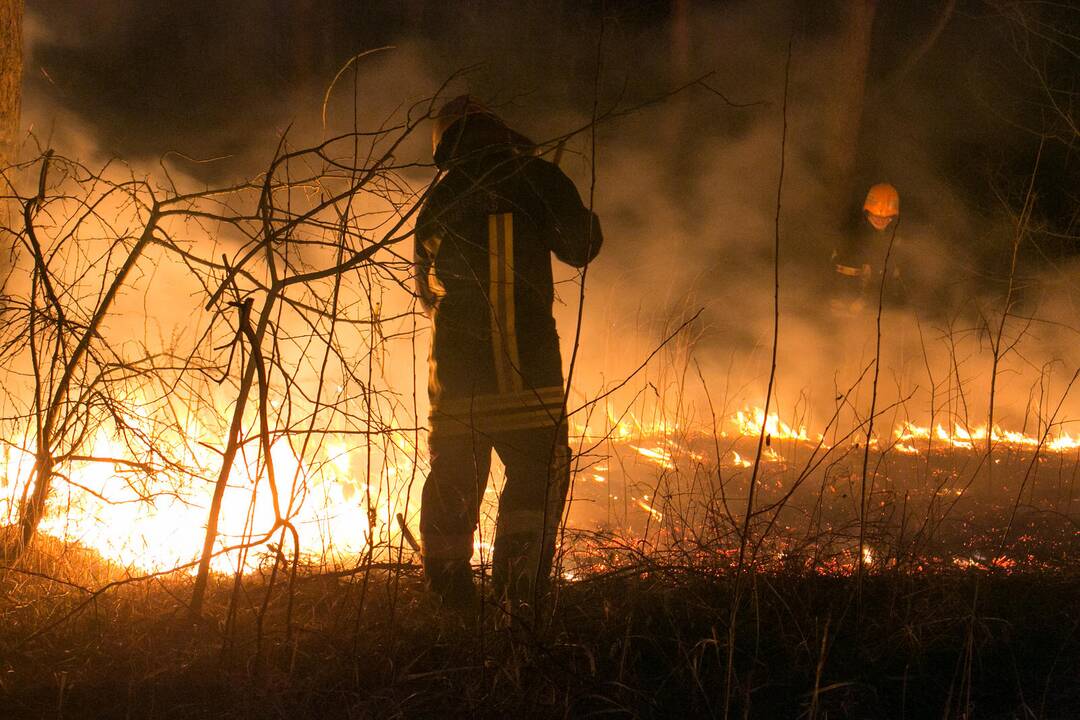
(943, 621)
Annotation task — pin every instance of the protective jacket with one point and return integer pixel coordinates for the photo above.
(484, 239)
(857, 264)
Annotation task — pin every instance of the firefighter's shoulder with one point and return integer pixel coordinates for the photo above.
(438, 199)
(552, 185)
(543, 170)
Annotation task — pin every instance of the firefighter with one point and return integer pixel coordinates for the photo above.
(858, 261)
(484, 238)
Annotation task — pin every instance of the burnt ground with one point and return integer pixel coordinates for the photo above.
(644, 641)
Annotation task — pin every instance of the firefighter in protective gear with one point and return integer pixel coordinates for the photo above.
(858, 261)
(484, 238)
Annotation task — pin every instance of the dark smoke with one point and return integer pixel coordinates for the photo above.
(685, 185)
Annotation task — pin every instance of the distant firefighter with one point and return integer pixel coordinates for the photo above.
(484, 239)
(858, 261)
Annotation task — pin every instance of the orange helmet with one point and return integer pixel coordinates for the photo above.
(882, 205)
(453, 111)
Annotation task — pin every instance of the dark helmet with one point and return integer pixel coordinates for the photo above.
(464, 126)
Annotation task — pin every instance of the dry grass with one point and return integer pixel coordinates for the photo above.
(646, 640)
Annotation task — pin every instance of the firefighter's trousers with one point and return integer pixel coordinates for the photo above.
(530, 507)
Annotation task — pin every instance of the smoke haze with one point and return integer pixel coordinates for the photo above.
(685, 183)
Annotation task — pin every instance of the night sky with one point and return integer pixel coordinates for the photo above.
(211, 78)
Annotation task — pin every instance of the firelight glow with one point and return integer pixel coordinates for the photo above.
(337, 515)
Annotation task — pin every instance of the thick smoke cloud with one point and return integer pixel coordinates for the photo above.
(686, 185)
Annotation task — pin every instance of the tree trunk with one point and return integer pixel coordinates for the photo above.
(11, 66)
(844, 112)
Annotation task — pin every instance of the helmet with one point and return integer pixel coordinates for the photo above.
(882, 205)
(453, 111)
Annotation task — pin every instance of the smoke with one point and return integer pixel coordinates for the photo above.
(685, 182)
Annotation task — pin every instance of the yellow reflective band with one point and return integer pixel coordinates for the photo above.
(506, 418)
(541, 397)
(487, 425)
(501, 296)
(504, 415)
(506, 229)
(847, 270)
(537, 419)
(495, 289)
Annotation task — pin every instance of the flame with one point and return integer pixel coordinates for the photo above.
(644, 505)
(739, 461)
(968, 439)
(867, 555)
(770, 455)
(98, 502)
(340, 499)
(750, 422)
(658, 455)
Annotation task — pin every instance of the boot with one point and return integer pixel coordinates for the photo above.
(452, 581)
